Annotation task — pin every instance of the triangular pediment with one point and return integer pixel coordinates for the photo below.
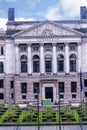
(47, 29)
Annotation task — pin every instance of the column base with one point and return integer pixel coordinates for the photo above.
(42, 74)
(29, 74)
(54, 73)
(66, 73)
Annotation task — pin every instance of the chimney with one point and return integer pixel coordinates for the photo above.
(83, 12)
(11, 15)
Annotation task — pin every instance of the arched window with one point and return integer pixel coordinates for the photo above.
(48, 63)
(72, 62)
(1, 67)
(36, 63)
(24, 64)
(60, 63)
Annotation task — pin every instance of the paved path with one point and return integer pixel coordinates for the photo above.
(44, 128)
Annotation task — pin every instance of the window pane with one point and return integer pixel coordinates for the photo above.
(73, 87)
(35, 48)
(11, 84)
(72, 47)
(73, 95)
(23, 48)
(1, 96)
(23, 87)
(35, 96)
(48, 66)
(61, 96)
(60, 48)
(35, 87)
(48, 47)
(60, 65)
(72, 65)
(23, 96)
(23, 66)
(61, 87)
(12, 95)
(1, 83)
(85, 94)
(85, 83)
(36, 66)
(1, 50)
(1, 67)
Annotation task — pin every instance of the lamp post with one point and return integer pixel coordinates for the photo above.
(59, 112)
(81, 88)
(38, 107)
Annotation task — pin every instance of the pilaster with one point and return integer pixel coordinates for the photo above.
(67, 58)
(17, 59)
(29, 60)
(42, 62)
(54, 61)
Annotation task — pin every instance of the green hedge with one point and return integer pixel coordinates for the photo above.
(14, 114)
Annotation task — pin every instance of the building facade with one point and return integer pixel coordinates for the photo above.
(43, 55)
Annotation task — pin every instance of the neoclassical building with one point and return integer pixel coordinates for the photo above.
(44, 55)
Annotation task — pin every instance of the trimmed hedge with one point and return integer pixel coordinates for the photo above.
(16, 115)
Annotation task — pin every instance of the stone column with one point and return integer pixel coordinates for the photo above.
(17, 60)
(79, 57)
(54, 61)
(42, 59)
(67, 58)
(29, 60)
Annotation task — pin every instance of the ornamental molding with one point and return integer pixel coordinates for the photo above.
(47, 29)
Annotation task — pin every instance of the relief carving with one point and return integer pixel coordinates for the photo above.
(49, 29)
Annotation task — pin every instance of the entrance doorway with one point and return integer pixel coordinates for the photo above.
(49, 93)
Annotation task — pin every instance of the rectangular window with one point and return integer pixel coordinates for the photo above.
(73, 87)
(11, 84)
(47, 48)
(24, 66)
(1, 50)
(12, 95)
(85, 82)
(35, 96)
(48, 66)
(23, 96)
(1, 96)
(60, 48)
(86, 94)
(72, 47)
(61, 96)
(36, 66)
(73, 95)
(60, 65)
(35, 47)
(1, 83)
(35, 88)
(23, 87)
(23, 48)
(61, 87)
(72, 65)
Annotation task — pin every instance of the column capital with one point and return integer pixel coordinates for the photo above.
(41, 44)
(29, 44)
(79, 43)
(16, 45)
(54, 43)
(66, 43)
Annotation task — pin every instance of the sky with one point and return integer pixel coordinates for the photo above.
(29, 10)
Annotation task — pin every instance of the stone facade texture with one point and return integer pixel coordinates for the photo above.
(65, 38)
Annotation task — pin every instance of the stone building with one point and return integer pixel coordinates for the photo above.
(47, 55)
